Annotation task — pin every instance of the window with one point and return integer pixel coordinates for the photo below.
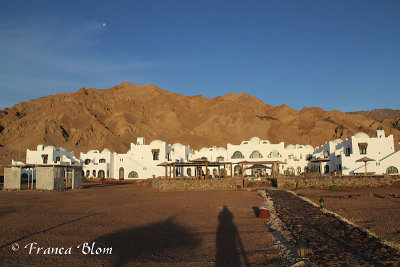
(94, 173)
(45, 157)
(101, 174)
(238, 170)
(102, 161)
(347, 151)
(306, 169)
(220, 158)
(168, 158)
(156, 155)
(363, 148)
(392, 170)
(256, 154)
(237, 155)
(87, 161)
(290, 171)
(326, 154)
(274, 154)
(298, 170)
(133, 174)
(57, 159)
(87, 173)
(189, 172)
(308, 157)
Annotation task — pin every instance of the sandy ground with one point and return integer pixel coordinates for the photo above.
(374, 209)
(143, 228)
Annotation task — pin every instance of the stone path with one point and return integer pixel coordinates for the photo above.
(329, 240)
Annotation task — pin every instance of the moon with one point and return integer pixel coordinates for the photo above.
(104, 24)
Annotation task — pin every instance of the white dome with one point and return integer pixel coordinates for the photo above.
(177, 145)
(203, 149)
(50, 148)
(290, 147)
(361, 135)
(255, 139)
(309, 147)
(156, 142)
(221, 149)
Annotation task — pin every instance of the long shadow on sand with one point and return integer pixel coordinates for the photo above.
(228, 242)
(158, 242)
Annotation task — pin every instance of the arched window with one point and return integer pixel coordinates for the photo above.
(121, 173)
(94, 173)
(290, 171)
(237, 155)
(101, 174)
(237, 170)
(189, 172)
(256, 155)
(326, 169)
(102, 160)
(133, 174)
(392, 170)
(274, 154)
(87, 173)
(305, 169)
(87, 161)
(215, 172)
(298, 170)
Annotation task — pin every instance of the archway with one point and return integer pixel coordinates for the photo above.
(121, 173)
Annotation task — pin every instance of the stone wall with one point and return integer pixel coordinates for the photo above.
(190, 184)
(344, 181)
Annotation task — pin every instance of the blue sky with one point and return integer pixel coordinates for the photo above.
(341, 55)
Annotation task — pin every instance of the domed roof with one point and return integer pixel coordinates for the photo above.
(203, 149)
(156, 142)
(309, 147)
(177, 145)
(361, 135)
(255, 139)
(290, 147)
(50, 148)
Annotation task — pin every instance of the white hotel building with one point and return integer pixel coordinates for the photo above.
(142, 160)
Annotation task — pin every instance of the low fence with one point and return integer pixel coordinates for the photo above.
(193, 185)
(342, 181)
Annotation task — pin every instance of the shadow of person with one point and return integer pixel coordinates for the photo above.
(228, 243)
(155, 242)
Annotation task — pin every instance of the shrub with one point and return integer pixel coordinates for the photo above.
(301, 194)
(333, 187)
(313, 187)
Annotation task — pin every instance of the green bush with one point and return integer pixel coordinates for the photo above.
(301, 194)
(313, 187)
(333, 187)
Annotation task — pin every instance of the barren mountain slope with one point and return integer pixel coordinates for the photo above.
(112, 118)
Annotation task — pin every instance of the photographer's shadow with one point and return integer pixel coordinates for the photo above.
(228, 243)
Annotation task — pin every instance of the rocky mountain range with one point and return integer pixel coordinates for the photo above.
(115, 117)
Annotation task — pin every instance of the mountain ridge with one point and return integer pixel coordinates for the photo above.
(112, 118)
